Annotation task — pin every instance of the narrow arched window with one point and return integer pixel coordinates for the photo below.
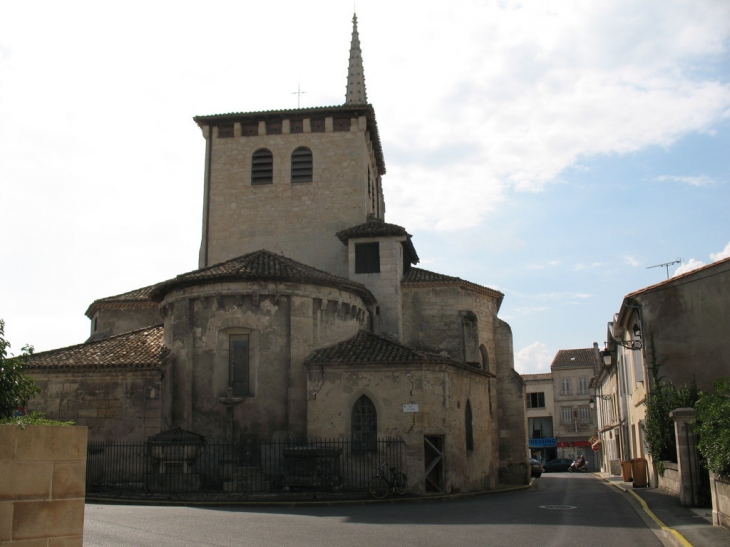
(469, 426)
(301, 165)
(262, 167)
(364, 426)
(485, 357)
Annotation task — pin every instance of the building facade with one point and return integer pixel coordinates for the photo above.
(673, 331)
(540, 405)
(575, 421)
(306, 318)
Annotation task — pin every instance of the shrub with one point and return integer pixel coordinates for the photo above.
(713, 415)
(15, 387)
(34, 418)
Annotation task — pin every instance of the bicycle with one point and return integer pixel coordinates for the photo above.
(381, 485)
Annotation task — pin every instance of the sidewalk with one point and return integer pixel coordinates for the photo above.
(693, 526)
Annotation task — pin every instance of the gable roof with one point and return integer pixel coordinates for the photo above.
(376, 228)
(138, 298)
(366, 348)
(345, 111)
(574, 358)
(261, 265)
(140, 349)
(418, 277)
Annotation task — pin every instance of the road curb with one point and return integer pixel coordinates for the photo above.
(670, 533)
(308, 503)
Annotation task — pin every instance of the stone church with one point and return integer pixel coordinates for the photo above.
(307, 317)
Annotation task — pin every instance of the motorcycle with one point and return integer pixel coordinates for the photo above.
(576, 467)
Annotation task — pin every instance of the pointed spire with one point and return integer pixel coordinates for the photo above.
(355, 74)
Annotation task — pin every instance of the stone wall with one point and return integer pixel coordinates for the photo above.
(298, 220)
(385, 286)
(111, 321)
(441, 391)
(116, 405)
(511, 415)
(284, 321)
(720, 488)
(670, 482)
(42, 485)
(432, 321)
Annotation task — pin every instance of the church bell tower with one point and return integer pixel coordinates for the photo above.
(288, 180)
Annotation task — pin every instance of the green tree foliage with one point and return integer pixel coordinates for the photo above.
(713, 415)
(660, 401)
(15, 387)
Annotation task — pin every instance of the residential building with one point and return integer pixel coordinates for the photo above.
(540, 405)
(676, 331)
(575, 422)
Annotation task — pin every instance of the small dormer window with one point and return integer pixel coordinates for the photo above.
(367, 258)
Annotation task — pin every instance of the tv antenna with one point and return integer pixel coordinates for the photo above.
(666, 265)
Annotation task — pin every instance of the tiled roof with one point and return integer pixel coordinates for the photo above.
(674, 279)
(347, 110)
(574, 358)
(137, 349)
(372, 229)
(380, 229)
(536, 377)
(262, 266)
(418, 277)
(368, 348)
(135, 298)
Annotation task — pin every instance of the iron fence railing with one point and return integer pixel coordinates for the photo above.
(247, 466)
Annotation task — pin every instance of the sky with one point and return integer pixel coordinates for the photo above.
(554, 151)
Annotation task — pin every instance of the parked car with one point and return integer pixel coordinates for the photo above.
(536, 468)
(557, 465)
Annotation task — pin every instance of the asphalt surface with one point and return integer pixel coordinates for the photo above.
(561, 510)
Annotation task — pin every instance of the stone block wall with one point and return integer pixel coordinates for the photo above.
(720, 488)
(119, 405)
(441, 392)
(385, 285)
(670, 482)
(42, 486)
(284, 321)
(298, 220)
(511, 414)
(111, 321)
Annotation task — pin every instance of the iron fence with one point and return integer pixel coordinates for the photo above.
(248, 466)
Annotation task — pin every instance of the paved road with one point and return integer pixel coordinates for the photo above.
(601, 517)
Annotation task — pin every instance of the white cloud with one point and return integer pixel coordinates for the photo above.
(725, 253)
(702, 180)
(533, 359)
(537, 86)
(692, 264)
(631, 261)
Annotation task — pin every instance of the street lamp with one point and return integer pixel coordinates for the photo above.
(592, 402)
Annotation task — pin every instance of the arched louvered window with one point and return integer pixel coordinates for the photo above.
(469, 427)
(262, 167)
(364, 426)
(301, 165)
